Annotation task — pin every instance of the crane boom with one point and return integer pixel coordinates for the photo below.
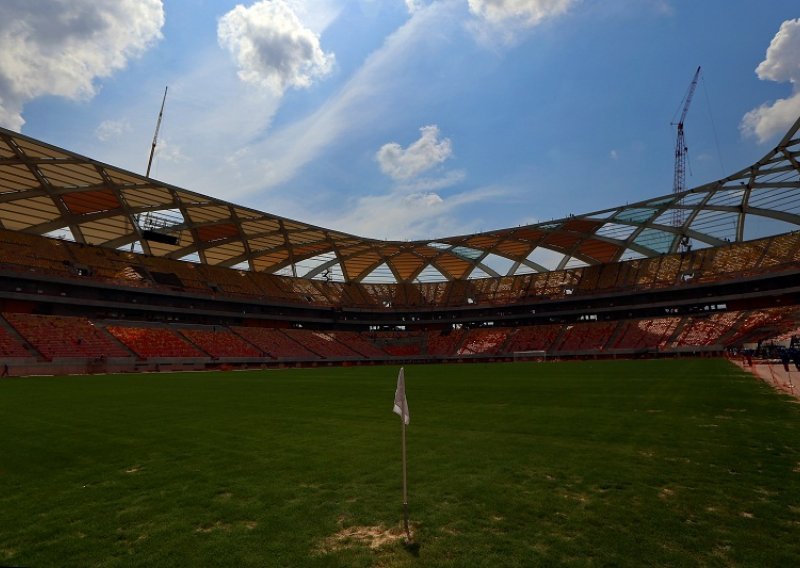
(155, 136)
(679, 178)
(688, 97)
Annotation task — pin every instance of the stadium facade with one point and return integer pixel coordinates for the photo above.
(102, 269)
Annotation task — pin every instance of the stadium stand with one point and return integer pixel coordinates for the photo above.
(177, 275)
(10, 346)
(275, 343)
(234, 282)
(706, 330)
(323, 344)
(398, 344)
(646, 333)
(444, 343)
(219, 342)
(107, 265)
(760, 325)
(359, 344)
(484, 342)
(25, 252)
(535, 338)
(587, 336)
(57, 336)
(148, 342)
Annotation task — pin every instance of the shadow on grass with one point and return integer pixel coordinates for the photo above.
(412, 547)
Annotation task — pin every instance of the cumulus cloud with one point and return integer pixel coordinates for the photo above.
(448, 179)
(769, 120)
(525, 12)
(376, 90)
(170, 152)
(59, 47)
(782, 64)
(393, 215)
(414, 5)
(110, 129)
(397, 215)
(502, 21)
(272, 47)
(404, 163)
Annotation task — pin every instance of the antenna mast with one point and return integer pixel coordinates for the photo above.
(155, 136)
(679, 180)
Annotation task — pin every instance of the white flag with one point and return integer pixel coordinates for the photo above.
(400, 402)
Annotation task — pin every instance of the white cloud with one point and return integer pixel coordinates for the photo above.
(783, 55)
(317, 15)
(404, 163)
(782, 64)
(59, 47)
(769, 120)
(170, 152)
(414, 5)
(525, 12)
(503, 20)
(614, 155)
(169, 156)
(401, 216)
(376, 90)
(231, 143)
(448, 179)
(423, 199)
(272, 47)
(110, 129)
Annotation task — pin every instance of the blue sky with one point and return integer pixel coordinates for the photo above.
(406, 119)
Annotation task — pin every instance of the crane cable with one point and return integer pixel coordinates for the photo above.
(713, 126)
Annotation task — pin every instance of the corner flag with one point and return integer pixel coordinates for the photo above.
(400, 402)
(401, 409)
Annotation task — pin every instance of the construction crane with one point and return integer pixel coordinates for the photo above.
(679, 180)
(138, 216)
(155, 136)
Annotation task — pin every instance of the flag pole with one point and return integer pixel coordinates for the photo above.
(405, 483)
(401, 409)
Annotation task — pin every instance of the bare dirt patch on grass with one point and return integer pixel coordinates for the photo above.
(372, 537)
(217, 526)
(222, 526)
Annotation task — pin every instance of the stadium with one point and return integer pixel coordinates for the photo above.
(403, 285)
(678, 458)
(104, 270)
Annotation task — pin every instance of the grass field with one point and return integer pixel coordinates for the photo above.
(671, 463)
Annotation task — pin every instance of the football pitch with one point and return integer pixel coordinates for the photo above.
(627, 463)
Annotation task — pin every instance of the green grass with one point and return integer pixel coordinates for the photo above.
(670, 463)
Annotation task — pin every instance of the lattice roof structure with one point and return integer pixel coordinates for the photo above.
(46, 190)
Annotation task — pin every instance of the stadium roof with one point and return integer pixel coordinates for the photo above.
(49, 191)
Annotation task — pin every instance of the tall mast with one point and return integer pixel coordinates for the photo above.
(155, 136)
